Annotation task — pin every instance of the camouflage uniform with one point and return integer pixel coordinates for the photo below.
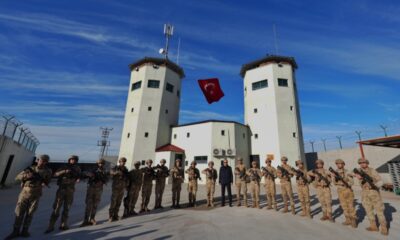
(97, 178)
(162, 173)
(119, 175)
(211, 177)
(194, 174)
(135, 184)
(372, 200)
(345, 194)
(255, 177)
(323, 191)
(269, 184)
(33, 179)
(241, 183)
(286, 186)
(178, 176)
(67, 178)
(303, 190)
(148, 177)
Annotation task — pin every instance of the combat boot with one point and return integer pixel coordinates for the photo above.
(14, 234)
(63, 226)
(347, 221)
(258, 205)
(269, 207)
(353, 222)
(330, 218)
(50, 228)
(384, 230)
(303, 211)
(275, 207)
(285, 209)
(93, 221)
(293, 210)
(25, 233)
(324, 217)
(372, 227)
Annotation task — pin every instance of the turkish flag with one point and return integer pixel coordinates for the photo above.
(211, 89)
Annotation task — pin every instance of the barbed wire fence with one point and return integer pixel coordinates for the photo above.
(12, 128)
(349, 139)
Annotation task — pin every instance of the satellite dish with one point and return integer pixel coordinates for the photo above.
(162, 51)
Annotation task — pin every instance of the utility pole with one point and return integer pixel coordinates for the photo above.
(312, 145)
(324, 142)
(384, 129)
(359, 135)
(103, 143)
(340, 141)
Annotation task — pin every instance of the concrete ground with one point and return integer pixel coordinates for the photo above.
(198, 223)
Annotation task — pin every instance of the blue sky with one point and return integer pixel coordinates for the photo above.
(64, 64)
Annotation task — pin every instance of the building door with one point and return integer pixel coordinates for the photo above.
(7, 170)
(255, 158)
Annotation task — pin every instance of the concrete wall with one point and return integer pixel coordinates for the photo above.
(22, 158)
(377, 156)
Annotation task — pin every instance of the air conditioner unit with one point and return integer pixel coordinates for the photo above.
(230, 152)
(216, 151)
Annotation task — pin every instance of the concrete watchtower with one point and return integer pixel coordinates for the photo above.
(272, 109)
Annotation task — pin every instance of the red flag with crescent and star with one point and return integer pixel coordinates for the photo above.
(211, 89)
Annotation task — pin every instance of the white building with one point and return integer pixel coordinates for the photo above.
(272, 121)
(271, 109)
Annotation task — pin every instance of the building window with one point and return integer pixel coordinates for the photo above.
(166, 111)
(143, 162)
(255, 110)
(291, 108)
(174, 136)
(282, 82)
(256, 136)
(201, 159)
(169, 88)
(244, 135)
(280, 65)
(131, 109)
(294, 134)
(260, 84)
(146, 134)
(129, 134)
(148, 108)
(136, 85)
(188, 135)
(153, 84)
(223, 132)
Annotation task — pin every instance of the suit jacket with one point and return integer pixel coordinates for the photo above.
(225, 175)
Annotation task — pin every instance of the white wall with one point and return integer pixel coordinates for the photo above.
(22, 159)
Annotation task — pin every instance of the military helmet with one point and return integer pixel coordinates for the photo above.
(193, 162)
(74, 157)
(211, 162)
(284, 159)
(137, 163)
(268, 160)
(298, 162)
(362, 160)
(240, 159)
(319, 161)
(339, 161)
(45, 157)
(163, 161)
(101, 161)
(149, 161)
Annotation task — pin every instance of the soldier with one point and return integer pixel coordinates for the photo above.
(33, 179)
(343, 180)
(322, 183)
(370, 182)
(162, 173)
(148, 177)
(284, 172)
(97, 178)
(178, 176)
(255, 176)
(269, 173)
(194, 174)
(303, 190)
(135, 184)
(211, 177)
(119, 175)
(68, 176)
(241, 181)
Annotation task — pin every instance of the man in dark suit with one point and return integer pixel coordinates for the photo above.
(226, 179)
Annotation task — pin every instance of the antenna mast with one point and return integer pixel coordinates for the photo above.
(168, 32)
(103, 142)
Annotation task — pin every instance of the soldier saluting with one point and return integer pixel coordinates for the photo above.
(33, 180)
(371, 198)
(178, 176)
(211, 177)
(97, 179)
(194, 174)
(68, 176)
(119, 175)
(161, 172)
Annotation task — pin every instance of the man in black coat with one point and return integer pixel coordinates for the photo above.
(226, 179)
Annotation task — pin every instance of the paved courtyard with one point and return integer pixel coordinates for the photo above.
(198, 223)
